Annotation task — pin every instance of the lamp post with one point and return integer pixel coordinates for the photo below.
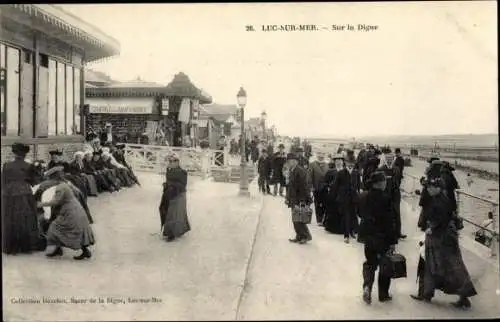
(242, 101)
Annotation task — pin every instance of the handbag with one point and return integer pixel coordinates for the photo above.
(302, 214)
(393, 266)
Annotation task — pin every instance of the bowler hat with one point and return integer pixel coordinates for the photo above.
(377, 176)
(20, 149)
(397, 150)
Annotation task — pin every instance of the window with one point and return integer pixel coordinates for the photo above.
(77, 109)
(10, 70)
(70, 105)
(52, 97)
(61, 99)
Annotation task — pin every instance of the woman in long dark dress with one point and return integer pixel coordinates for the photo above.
(71, 227)
(444, 268)
(173, 206)
(20, 230)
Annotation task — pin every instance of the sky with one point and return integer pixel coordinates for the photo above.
(429, 68)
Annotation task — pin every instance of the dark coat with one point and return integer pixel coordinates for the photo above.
(75, 168)
(303, 162)
(264, 167)
(59, 163)
(88, 167)
(297, 191)
(277, 163)
(378, 220)
(393, 177)
(176, 182)
(103, 136)
(399, 163)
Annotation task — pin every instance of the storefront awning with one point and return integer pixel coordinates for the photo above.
(120, 105)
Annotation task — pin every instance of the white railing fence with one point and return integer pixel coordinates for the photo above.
(152, 158)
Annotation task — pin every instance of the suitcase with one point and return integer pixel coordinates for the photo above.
(393, 266)
(302, 214)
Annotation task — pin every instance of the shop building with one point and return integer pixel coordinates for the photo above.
(43, 51)
(165, 114)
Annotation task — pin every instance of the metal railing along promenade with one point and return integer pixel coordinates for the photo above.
(472, 209)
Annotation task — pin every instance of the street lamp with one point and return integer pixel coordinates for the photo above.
(242, 101)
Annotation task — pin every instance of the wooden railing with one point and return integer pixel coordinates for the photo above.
(152, 158)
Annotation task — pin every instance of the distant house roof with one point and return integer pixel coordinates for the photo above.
(182, 86)
(132, 88)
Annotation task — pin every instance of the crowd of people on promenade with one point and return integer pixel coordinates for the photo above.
(45, 205)
(359, 197)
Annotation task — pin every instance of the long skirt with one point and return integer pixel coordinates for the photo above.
(444, 267)
(20, 229)
(173, 214)
(71, 228)
(333, 221)
(92, 185)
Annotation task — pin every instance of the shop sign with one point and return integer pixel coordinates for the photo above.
(121, 105)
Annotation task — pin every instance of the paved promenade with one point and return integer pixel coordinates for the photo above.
(236, 263)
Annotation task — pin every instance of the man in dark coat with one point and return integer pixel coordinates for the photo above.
(371, 165)
(56, 160)
(107, 137)
(264, 168)
(399, 161)
(393, 188)
(297, 196)
(303, 161)
(317, 172)
(378, 232)
(278, 161)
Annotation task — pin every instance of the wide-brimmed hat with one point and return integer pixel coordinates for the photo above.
(54, 170)
(20, 149)
(55, 152)
(292, 156)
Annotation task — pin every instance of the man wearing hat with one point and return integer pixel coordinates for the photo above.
(303, 161)
(378, 232)
(399, 162)
(317, 172)
(393, 187)
(277, 162)
(57, 160)
(107, 136)
(298, 196)
(264, 169)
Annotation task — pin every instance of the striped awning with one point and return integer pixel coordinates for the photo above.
(101, 44)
